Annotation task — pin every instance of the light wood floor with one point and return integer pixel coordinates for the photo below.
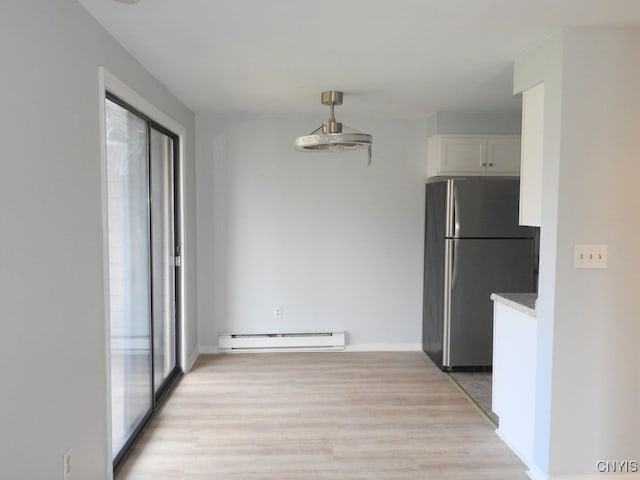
(319, 416)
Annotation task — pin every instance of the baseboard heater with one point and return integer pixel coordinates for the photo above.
(295, 341)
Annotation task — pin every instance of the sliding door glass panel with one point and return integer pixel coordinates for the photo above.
(129, 276)
(163, 255)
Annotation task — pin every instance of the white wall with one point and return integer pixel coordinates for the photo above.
(336, 243)
(544, 63)
(52, 321)
(588, 319)
(597, 325)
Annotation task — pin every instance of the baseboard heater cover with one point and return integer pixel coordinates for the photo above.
(282, 341)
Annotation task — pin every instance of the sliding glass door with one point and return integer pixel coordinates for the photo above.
(163, 250)
(141, 206)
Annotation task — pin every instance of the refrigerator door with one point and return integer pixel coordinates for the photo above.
(486, 208)
(478, 268)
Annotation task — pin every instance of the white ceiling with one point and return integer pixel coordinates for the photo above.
(391, 57)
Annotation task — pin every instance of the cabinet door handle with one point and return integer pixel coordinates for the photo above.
(491, 164)
(484, 164)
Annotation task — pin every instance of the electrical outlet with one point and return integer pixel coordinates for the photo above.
(589, 255)
(67, 465)
(277, 312)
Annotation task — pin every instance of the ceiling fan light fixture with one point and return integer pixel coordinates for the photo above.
(332, 136)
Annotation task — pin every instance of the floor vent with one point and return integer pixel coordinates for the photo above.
(298, 341)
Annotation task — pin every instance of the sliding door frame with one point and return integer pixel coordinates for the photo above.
(158, 392)
(110, 87)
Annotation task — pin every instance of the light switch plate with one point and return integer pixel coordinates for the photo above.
(590, 255)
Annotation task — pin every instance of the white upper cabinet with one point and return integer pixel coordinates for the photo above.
(473, 155)
(503, 155)
(532, 150)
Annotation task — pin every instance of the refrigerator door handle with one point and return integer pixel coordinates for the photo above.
(451, 203)
(455, 224)
(446, 306)
(454, 265)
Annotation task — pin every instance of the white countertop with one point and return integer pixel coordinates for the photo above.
(522, 302)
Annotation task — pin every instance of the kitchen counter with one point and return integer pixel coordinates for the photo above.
(522, 302)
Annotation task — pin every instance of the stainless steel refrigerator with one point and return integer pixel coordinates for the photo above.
(473, 247)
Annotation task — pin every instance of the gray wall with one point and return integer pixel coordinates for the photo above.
(52, 325)
(480, 123)
(337, 243)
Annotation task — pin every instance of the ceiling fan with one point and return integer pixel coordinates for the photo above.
(331, 136)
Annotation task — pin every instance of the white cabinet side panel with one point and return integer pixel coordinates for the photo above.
(532, 152)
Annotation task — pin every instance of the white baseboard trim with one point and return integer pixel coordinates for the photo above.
(520, 455)
(208, 349)
(536, 474)
(368, 347)
(191, 360)
(384, 347)
(598, 476)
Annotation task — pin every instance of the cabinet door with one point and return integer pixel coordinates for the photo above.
(464, 154)
(514, 378)
(532, 149)
(503, 155)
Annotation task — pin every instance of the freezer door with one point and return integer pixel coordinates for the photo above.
(479, 268)
(487, 208)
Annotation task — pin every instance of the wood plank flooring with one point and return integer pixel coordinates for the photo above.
(319, 416)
